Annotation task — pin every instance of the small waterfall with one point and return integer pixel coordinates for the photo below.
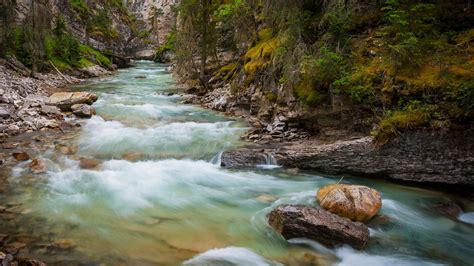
(270, 162)
(217, 159)
(270, 159)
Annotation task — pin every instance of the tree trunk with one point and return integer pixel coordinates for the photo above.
(205, 4)
(32, 34)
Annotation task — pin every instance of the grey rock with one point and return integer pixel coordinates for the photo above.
(83, 110)
(298, 221)
(49, 109)
(4, 113)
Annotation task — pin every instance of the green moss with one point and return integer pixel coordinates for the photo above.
(84, 63)
(227, 71)
(95, 56)
(80, 6)
(308, 93)
(61, 65)
(258, 56)
(396, 122)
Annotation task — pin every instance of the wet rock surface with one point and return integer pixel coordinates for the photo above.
(358, 203)
(299, 221)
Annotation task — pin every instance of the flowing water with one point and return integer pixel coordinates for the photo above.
(160, 198)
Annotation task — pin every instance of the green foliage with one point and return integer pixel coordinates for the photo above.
(408, 25)
(80, 6)
(396, 122)
(95, 56)
(168, 46)
(319, 74)
(405, 61)
(61, 47)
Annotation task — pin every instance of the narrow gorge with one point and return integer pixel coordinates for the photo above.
(243, 132)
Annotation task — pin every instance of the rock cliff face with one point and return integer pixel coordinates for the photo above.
(159, 20)
(154, 17)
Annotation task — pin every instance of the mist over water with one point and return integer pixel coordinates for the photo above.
(172, 203)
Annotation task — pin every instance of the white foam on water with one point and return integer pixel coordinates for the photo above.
(268, 166)
(351, 257)
(229, 256)
(406, 215)
(177, 184)
(114, 138)
(467, 217)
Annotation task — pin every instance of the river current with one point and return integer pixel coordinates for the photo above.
(159, 196)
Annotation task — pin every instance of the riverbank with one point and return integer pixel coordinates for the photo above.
(23, 99)
(424, 156)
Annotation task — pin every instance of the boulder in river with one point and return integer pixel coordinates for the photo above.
(64, 100)
(21, 156)
(38, 166)
(358, 203)
(83, 110)
(299, 221)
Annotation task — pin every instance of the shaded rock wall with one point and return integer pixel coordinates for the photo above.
(422, 156)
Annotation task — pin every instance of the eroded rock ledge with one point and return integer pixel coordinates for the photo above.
(423, 156)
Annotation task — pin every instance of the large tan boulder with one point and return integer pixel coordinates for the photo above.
(64, 100)
(358, 203)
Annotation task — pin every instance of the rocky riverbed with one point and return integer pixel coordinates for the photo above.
(24, 102)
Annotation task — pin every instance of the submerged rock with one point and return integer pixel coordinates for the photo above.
(266, 198)
(21, 156)
(64, 100)
(38, 166)
(86, 163)
(298, 221)
(133, 156)
(449, 209)
(64, 244)
(83, 110)
(358, 203)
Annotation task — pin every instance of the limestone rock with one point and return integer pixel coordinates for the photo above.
(64, 100)
(83, 110)
(4, 113)
(358, 203)
(298, 221)
(49, 109)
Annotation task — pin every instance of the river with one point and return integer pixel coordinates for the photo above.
(160, 198)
